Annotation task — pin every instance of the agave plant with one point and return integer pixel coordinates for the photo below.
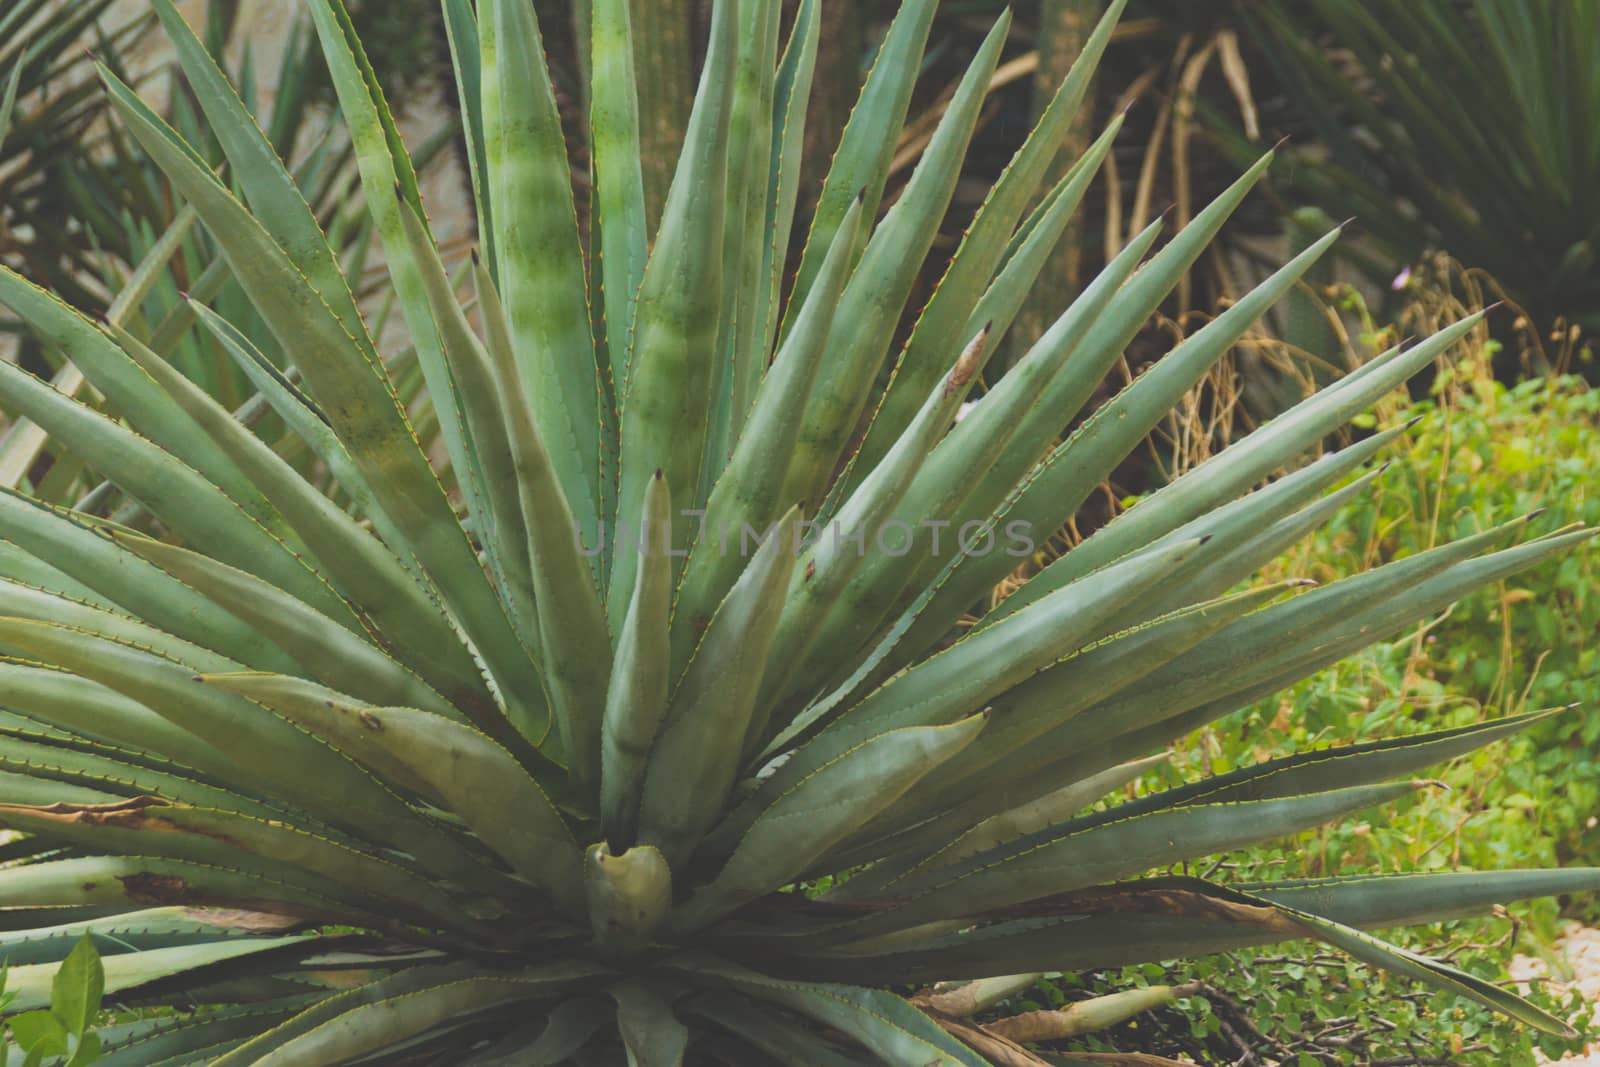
(668, 739)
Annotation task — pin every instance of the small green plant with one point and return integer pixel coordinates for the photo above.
(61, 1034)
(670, 736)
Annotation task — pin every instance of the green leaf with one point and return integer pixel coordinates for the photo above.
(77, 987)
(539, 264)
(956, 302)
(665, 388)
(570, 626)
(385, 165)
(748, 494)
(618, 175)
(378, 1024)
(475, 777)
(355, 392)
(131, 970)
(652, 1035)
(641, 677)
(1075, 856)
(796, 830)
(709, 716)
(39, 1033)
(878, 289)
(884, 1024)
(860, 166)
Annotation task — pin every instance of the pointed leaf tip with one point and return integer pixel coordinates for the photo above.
(1281, 142)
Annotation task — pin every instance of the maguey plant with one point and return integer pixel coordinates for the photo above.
(648, 721)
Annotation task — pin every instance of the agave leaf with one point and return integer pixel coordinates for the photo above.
(1249, 650)
(973, 444)
(629, 896)
(748, 493)
(1049, 810)
(357, 395)
(368, 887)
(997, 491)
(298, 411)
(1379, 900)
(711, 710)
(840, 550)
(799, 827)
(56, 539)
(964, 677)
(1060, 859)
(461, 32)
(570, 623)
(375, 1024)
(740, 364)
(1286, 777)
(569, 1027)
(1401, 961)
(8, 99)
(1148, 919)
(28, 789)
(665, 388)
(329, 650)
(139, 399)
(17, 564)
(362, 569)
(884, 1024)
(103, 774)
(181, 497)
(860, 166)
(128, 972)
(539, 264)
(652, 1035)
(385, 165)
(328, 1009)
(1346, 765)
(878, 289)
(479, 392)
(791, 92)
(1233, 565)
(1056, 694)
(1068, 475)
(1292, 663)
(24, 602)
(641, 678)
(136, 931)
(1259, 453)
(780, 1036)
(956, 300)
(163, 1041)
(618, 175)
(147, 880)
(406, 605)
(281, 759)
(476, 778)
